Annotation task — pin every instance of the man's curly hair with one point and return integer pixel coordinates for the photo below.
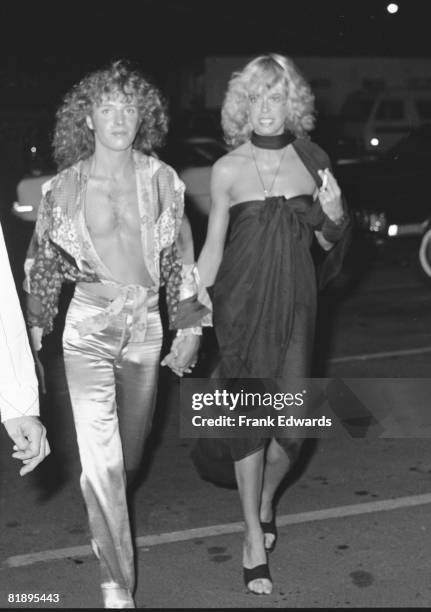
(73, 140)
(266, 71)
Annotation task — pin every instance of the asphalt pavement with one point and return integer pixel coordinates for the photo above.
(354, 519)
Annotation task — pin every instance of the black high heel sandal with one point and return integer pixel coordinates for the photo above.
(254, 573)
(270, 528)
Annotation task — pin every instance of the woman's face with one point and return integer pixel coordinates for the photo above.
(267, 109)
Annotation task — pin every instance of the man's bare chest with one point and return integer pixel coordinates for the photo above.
(112, 207)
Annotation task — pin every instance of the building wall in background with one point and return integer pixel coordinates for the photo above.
(332, 78)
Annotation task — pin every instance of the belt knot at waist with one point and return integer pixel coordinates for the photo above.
(137, 298)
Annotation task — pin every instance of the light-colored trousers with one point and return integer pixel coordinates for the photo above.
(112, 353)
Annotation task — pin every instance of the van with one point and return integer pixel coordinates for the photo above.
(373, 122)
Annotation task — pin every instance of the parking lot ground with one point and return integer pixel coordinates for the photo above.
(378, 559)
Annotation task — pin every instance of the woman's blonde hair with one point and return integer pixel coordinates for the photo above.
(266, 71)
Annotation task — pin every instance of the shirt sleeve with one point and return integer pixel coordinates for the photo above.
(18, 383)
(43, 271)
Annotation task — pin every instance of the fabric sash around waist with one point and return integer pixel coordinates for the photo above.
(131, 299)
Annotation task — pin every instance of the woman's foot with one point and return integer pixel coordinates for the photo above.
(254, 556)
(267, 522)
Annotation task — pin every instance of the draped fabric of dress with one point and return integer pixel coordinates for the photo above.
(265, 293)
(266, 286)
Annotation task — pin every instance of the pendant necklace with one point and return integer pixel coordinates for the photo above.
(266, 191)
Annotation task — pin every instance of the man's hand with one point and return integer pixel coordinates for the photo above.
(31, 445)
(183, 354)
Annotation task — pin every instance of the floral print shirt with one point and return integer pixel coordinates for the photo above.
(61, 249)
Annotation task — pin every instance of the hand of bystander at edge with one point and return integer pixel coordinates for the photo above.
(31, 445)
(19, 401)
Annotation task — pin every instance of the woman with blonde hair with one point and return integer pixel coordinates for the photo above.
(272, 195)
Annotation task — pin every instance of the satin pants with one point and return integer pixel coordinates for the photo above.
(112, 354)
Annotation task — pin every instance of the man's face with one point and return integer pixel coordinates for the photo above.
(115, 122)
(267, 110)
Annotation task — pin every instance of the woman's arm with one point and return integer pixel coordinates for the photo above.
(212, 251)
(182, 357)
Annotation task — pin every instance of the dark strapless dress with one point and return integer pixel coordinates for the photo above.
(265, 290)
(264, 299)
(265, 296)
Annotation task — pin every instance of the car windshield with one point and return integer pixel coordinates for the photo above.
(357, 107)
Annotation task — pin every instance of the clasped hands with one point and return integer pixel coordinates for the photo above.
(183, 354)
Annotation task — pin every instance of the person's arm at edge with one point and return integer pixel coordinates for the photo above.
(19, 400)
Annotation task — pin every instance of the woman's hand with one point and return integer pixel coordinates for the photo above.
(330, 196)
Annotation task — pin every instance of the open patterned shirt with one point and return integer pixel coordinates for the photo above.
(61, 249)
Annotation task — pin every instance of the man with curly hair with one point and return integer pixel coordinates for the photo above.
(112, 222)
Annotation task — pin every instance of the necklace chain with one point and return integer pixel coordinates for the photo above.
(265, 190)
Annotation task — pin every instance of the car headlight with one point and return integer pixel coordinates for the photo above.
(21, 208)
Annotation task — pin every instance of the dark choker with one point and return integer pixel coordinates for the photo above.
(279, 141)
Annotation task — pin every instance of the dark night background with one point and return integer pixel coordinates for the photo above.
(374, 322)
(49, 45)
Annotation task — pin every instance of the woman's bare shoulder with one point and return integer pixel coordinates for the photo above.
(231, 162)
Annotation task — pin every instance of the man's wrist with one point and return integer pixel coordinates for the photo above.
(188, 331)
(36, 334)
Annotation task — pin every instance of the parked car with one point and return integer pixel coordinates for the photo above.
(389, 201)
(389, 196)
(373, 122)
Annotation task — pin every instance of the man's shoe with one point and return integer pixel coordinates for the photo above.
(115, 596)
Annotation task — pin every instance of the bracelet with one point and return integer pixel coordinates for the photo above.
(342, 219)
(332, 230)
(188, 331)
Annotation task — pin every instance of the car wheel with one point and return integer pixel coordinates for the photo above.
(425, 254)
